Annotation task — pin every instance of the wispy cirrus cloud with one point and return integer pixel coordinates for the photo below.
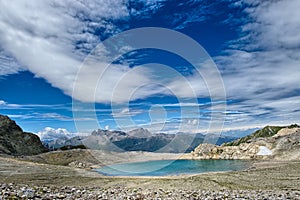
(263, 62)
(10, 106)
(38, 116)
(261, 68)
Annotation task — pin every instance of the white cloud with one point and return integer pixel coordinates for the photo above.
(5, 105)
(8, 64)
(193, 122)
(125, 112)
(42, 35)
(105, 84)
(51, 134)
(53, 40)
(276, 24)
(261, 69)
(266, 59)
(2, 103)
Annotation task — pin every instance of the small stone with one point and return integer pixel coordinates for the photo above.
(61, 196)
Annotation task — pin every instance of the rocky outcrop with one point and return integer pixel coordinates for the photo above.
(243, 151)
(286, 131)
(77, 164)
(282, 145)
(14, 141)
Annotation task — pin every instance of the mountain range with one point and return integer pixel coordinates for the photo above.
(137, 140)
(271, 141)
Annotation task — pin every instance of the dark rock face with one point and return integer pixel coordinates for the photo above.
(14, 141)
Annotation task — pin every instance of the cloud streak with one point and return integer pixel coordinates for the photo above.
(261, 68)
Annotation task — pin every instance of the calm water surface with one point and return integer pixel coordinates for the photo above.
(172, 167)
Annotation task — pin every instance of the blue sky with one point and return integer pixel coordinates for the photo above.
(254, 45)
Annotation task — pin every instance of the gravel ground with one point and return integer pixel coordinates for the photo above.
(13, 191)
(265, 180)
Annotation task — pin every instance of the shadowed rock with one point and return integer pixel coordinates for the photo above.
(14, 141)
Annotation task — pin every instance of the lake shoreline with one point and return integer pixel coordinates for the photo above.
(172, 168)
(267, 179)
(254, 165)
(118, 158)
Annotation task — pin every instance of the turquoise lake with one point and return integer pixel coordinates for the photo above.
(172, 167)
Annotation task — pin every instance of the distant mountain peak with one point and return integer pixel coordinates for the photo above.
(141, 139)
(140, 133)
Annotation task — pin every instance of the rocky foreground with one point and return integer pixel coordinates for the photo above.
(13, 191)
(265, 180)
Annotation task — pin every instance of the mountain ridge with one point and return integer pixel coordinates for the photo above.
(14, 141)
(267, 131)
(140, 140)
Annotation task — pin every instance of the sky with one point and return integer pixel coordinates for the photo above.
(70, 67)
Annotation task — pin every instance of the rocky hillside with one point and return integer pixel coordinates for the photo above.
(281, 143)
(14, 141)
(265, 132)
(139, 140)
